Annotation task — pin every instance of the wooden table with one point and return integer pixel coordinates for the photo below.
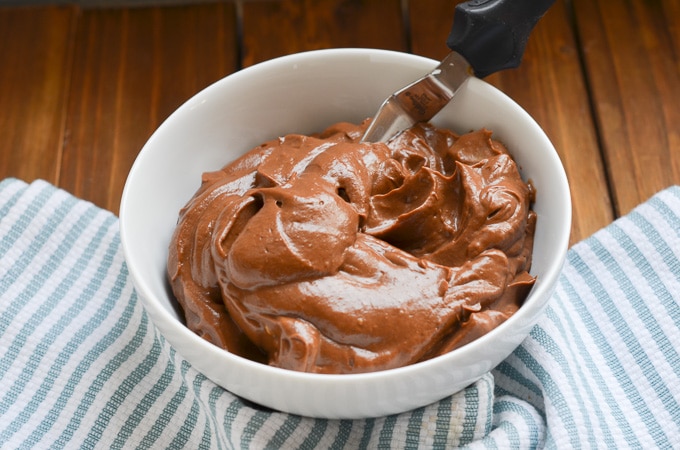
(82, 89)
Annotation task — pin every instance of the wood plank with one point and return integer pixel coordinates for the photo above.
(35, 62)
(632, 58)
(132, 68)
(276, 28)
(549, 85)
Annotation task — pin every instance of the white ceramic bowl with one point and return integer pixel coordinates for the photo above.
(304, 93)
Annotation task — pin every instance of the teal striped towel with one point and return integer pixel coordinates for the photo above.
(81, 365)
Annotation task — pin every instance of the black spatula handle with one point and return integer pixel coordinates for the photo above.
(491, 34)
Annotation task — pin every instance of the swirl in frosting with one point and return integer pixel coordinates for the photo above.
(324, 254)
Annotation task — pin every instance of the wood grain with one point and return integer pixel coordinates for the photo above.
(276, 28)
(632, 60)
(549, 85)
(35, 63)
(132, 68)
(81, 90)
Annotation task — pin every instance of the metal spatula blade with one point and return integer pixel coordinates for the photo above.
(487, 36)
(419, 101)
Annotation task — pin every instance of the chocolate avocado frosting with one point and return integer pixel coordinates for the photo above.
(323, 254)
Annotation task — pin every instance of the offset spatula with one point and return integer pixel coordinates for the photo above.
(487, 36)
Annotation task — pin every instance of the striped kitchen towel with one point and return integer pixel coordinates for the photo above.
(81, 365)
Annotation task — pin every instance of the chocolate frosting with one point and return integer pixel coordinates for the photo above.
(323, 254)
